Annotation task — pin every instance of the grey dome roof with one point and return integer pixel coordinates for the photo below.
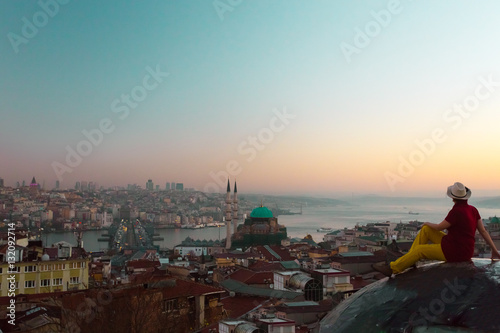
(443, 296)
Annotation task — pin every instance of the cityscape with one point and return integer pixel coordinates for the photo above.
(256, 277)
(234, 166)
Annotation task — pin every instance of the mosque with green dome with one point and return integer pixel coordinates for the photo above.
(261, 228)
(494, 225)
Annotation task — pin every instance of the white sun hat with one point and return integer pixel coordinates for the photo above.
(458, 191)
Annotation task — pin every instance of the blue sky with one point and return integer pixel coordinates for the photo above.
(229, 73)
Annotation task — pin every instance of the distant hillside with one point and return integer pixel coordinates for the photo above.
(493, 202)
(283, 201)
(484, 202)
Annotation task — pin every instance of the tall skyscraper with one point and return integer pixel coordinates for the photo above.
(179, 187)
(84, 186)
(172, 186)
(167, 186)
(157, 188)
(77, 186)
(57, 184)
(149, 185)
(1, 182)
(34, 186)
(33, 183)
(24, 183)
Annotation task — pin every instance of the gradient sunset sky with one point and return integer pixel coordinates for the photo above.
(325, 97)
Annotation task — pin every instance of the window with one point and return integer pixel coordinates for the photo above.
(28, 269)
(45, 268)
(45, 283)
(29, 284)
(74, 280)
(58, 267)
(78, 265)
(57, 282)
(16, 269)
(169, 305)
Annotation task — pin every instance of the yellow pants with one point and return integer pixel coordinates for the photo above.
(421, 250)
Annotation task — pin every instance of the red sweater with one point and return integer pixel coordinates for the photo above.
(458, 244)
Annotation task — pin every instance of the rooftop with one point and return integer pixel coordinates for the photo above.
(261, 213)
(355, 254)
(275, 320)
(239, 305)
(438, 297)
(304, 303)
(329, 271)
(495, 220)
(241, 288)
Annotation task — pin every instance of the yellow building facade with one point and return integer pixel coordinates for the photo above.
(35, 277)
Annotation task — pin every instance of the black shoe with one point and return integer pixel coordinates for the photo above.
(383, 268)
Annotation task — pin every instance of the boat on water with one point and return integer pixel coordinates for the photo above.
(412, 213)
(192, 226)
(215, 224)
(324, 229)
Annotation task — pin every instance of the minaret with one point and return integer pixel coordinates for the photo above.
(235, 209)
(228, 216)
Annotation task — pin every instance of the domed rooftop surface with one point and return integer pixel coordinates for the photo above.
(260, 226)
(261, 213)
(495, 220)
(442, 297)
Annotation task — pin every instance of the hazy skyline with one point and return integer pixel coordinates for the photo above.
(389, 97)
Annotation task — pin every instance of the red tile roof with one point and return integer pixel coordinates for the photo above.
(78, 252)
(259, 266)
(261, 278)
(241, 275)
(143, 263)
(283, 254)
(359, 282)
(239, 305)
(250, 277)
(188, 288)
(245, 255)
(52, 252)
